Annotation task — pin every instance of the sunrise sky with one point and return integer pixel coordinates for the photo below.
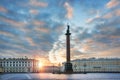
(36, 28)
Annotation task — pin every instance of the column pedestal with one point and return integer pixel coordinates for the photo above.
(68, 68)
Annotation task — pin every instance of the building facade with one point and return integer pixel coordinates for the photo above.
(96, 65)
(19, 65)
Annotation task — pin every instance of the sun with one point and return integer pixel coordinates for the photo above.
(40, 65)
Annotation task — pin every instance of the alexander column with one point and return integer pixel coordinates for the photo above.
(68, 65)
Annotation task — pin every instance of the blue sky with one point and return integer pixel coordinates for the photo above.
(36, 28)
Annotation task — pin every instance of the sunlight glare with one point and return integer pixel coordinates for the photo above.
(40, 64)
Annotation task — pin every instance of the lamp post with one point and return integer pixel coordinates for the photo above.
(84, 67)
(75, 67)
(53, 69)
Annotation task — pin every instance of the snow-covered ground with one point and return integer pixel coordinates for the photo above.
(47, 76)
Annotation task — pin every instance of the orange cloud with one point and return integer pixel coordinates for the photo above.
(12, 22)
(69, 10)
(117, 12)
(38, 23)
(33, 11)
(109, 15)
(6, 33)
(109, 53)
(113, 3)
(38, 3)
(42, 29)
(2, 9)
(90, 20)
(30, 40)
(114, 52)
(115, 37)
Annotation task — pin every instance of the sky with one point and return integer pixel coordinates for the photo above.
(36, 29)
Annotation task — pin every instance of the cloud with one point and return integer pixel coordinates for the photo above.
(109, 15)
(53, 57)
(11, 54)
(91, 20)
(112, 3)
(114, 52)
(59, 47)
(103, 37)
(30, 40)
(114, 13)
(2, 9)
(42, 29)
(38, 23)
(25, 32)
(117, 12)
(58, 56)
(111, 53)
(105, 33)
(34, 11)
(6, 33)
(69, 10)
(13, 22)
(37, 28)
(37, 3)
(12, 44)
(107, 18)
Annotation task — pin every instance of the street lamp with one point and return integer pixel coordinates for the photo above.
(53, 69)
(84, 67)
(75, 67)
